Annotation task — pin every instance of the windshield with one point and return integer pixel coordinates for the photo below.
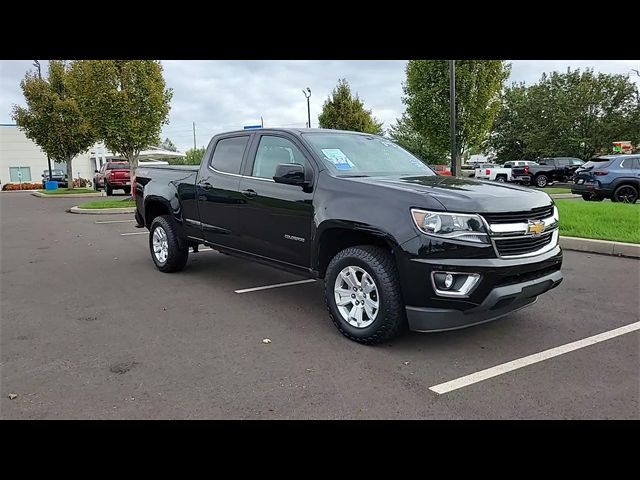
(348, 154)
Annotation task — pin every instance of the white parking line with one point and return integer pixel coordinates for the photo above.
(134, 233)
(255, 289)
(531, 359)
(116, 221)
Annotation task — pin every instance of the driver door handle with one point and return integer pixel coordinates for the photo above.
(249, 193)
(205, 185)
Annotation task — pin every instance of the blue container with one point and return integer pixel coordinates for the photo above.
(50, 185)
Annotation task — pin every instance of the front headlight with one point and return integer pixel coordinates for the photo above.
(458, 226)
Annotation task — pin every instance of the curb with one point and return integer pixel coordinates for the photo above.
(564, 195)
(604, 247)
(68, 195)
(101, 211)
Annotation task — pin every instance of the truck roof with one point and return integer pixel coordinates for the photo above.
(298, 131)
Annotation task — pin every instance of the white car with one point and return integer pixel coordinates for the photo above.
(499, 173)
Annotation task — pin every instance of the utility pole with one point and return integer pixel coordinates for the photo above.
(36, 64)
(194, 135)
(308, 106)
(452, 110)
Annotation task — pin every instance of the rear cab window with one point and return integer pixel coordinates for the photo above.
(229, 153)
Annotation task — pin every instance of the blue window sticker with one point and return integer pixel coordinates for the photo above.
(338, 158)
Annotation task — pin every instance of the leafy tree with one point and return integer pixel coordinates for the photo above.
(125, 100)
(575, 114)
(193, 157)
(341, 111)
(52, 118)
(405, 135)
(478, 87)
(168, 145)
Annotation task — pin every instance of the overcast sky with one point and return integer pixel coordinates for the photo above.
(223, 95)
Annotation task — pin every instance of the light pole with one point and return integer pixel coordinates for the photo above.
(452, 111)
(308, 90)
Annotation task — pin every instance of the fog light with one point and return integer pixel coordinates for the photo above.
(454, 284)
(448, 281)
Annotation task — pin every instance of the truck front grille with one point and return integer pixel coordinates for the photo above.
(519, 217)
(522, 245)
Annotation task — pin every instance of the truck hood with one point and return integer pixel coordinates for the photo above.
(465, 195)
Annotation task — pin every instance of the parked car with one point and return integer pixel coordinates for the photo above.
(441, 169)
(493, 172)
(616, 177)
(113, 175)
(57, 175)
(397, 245)
(547, 171)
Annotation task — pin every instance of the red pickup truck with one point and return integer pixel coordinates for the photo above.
(113, 175)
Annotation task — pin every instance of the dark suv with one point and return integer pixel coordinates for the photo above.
(611, 176)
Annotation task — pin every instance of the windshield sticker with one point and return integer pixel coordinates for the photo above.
(338, 158)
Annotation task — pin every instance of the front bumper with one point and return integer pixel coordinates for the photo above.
(499, 302)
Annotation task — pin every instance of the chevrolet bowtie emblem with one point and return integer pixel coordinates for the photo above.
(535, 227)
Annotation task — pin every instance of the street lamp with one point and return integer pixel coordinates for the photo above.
(308, 90)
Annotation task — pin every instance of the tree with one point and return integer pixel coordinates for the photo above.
(193, 157)
(52, 118)
(168, 145)
(341, 111)
(405, 135)
(478, 87)
(125, 100)
(576, 114)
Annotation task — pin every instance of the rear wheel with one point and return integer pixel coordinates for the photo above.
(127, 190)
(108, 189)
(625, 194)
(166, 251)
(362, 292)
(501, 178)
(541, 181)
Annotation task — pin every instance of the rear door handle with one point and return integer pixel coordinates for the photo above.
(249, 193)
(206, 185)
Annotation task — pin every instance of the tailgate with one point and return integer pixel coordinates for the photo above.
(518, 171)
(120, 174)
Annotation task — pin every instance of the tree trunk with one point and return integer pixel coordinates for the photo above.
(69, 173)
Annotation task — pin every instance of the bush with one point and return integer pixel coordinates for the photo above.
(21, 186)
(81, 183)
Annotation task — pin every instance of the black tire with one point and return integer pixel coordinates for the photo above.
(625, 194)
(390, 320)
(108, 189)
(501, 178)
(541, 181)
(127, 190)
(177, 255)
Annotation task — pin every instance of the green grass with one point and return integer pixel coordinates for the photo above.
(109, 204)
(64, 191)
(618, 222)
(552, 190)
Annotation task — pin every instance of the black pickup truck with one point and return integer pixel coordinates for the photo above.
(548, 170)
(397, 245)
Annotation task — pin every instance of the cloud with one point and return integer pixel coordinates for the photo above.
(221, 95)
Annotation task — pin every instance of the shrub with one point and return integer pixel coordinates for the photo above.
(21, 186)
(81, 183)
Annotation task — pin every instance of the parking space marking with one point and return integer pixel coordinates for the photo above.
(255, 289)
(134, 233)
(116, 221)
(531, 359)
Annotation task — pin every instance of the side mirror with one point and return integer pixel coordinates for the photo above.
(96, 171)
(291, 174)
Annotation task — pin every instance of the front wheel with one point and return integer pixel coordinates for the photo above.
(362, 293)
(166, 251)
(625, 194)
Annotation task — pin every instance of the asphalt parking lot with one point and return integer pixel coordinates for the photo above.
(90, 329)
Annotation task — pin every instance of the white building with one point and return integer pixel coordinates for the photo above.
(21, 160)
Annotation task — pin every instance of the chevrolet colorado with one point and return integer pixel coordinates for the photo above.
(397, 245)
